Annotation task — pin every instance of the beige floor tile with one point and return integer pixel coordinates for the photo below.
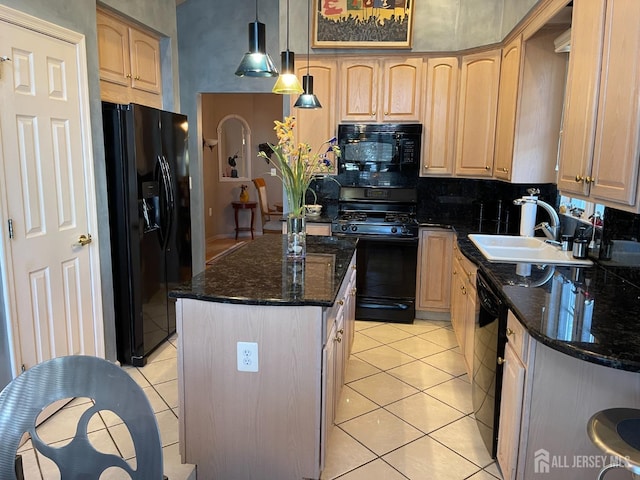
(387, 333)
(62, 425)
(420, 326)
(381, 431)
(441, 336)
(169, 393)
(361, 343)
(376, 470)
(420, 375)
(160, 371)
(424, 412)
(344, 453)
(384, 357)
(30, 464)
(122, 438)
(358, 368)
(482, 475)
(449, 361)
(463, 437)
(365, 324)
(383, 388)
(417, 347)
(174, 469)
(454, 392)
(427, 459)
(494, 470)
(168, 426)
(352, 404)
(164, 352)
(136, 375)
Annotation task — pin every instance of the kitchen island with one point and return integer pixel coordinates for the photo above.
(270, 423)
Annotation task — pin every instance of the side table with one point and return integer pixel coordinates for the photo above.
(237, 206)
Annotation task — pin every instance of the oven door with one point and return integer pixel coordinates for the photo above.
(386, 279)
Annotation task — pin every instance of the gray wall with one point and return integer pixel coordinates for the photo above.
(80, 16)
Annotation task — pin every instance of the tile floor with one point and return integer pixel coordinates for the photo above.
(405, 412)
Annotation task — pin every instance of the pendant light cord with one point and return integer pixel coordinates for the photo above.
(256, 10)
(308, 32)
(287, 25)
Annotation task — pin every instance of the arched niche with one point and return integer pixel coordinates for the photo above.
(234, 140)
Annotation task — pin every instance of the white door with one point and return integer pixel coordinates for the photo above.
(54, 301)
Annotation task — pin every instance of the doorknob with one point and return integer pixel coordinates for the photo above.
(83, 240)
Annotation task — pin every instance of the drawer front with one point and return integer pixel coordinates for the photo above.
(518, 337)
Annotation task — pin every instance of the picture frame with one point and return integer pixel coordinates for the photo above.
(362, 23)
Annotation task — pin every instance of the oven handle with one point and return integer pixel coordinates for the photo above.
(375, 238)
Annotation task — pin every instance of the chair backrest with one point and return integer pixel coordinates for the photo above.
(261, 186)
(110, 388)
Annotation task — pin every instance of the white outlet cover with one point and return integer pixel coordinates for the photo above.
(247, 356)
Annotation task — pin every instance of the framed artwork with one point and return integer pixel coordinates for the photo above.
(362, 23)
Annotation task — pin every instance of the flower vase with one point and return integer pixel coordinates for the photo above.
(296, 237)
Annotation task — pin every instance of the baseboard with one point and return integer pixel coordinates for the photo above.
(438, 316)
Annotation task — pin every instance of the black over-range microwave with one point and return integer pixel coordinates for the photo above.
(379, 147)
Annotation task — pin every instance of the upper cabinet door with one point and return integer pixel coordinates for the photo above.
(316, 126)
(439, 115)
(113, 50)
(402, 92)
(478, 103)
(359, 84)
(507, 102)
(576, 150)
(617, 143)
(145, 61)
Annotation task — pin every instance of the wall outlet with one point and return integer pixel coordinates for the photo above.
(273, 172)
(247, 357)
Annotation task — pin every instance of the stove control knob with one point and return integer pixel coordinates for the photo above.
(343, 228)
(394, 229)
(354, 228)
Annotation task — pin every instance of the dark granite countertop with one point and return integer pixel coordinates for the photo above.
(589, 313)
(258, 273)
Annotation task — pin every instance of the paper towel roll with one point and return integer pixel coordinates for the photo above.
(528, 218)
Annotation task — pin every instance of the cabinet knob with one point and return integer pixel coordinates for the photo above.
(128, 75)
(589, 180)
(341, 331)
(455, 272)
(501, 360)
(338, 339)
(464, 290)
(137, 77)
(509, 332)
(487, 167)
(427, 167)
(340, 302)
(504, 169)
(579, 178)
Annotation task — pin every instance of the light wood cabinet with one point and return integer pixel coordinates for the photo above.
(532, 83)
(439, 115)
(129, 60)
(600, 151)
(433, 283)
(313, 228)
(380, 90)
(512, 403)
(317, 125)
(463, 304)
(477, 109)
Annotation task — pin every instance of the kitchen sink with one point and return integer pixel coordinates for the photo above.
(514, 249)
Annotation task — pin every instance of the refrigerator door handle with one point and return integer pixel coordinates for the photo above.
(166, 208)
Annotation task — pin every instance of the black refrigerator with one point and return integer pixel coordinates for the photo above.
(148, 185)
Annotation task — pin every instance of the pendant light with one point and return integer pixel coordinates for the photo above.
(308, 99)
(257, 62)
(287, 83)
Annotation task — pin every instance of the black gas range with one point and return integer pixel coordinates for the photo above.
(384, 220)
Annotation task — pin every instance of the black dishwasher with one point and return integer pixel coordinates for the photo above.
(488, 352)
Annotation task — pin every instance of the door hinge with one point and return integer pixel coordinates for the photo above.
(10, 222)
(23, 368)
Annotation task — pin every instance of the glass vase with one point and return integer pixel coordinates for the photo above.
(296, 237)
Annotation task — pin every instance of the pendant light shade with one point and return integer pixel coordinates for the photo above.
(307, 99)
(288, 82)
(257, 62)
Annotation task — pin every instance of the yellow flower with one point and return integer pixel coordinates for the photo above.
(295, 165)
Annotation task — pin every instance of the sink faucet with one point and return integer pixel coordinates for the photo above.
(529, 204)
